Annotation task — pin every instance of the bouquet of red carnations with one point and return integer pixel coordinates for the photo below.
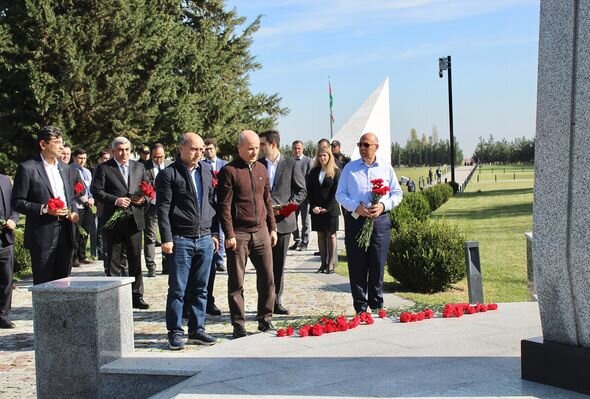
(145, 190)
(285, 209)
(363, 239)
(57, 204)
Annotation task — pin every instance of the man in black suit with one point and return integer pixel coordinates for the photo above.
(153, 166)
(116, 185)
(49, 234)
(287, 185)
(8, 219)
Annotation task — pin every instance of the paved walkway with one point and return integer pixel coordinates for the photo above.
(306, 294)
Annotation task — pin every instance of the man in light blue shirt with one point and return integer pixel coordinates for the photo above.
(354, 193)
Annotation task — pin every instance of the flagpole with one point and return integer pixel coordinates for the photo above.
(331, 114)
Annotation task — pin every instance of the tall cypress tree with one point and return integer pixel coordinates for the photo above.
(146, 69)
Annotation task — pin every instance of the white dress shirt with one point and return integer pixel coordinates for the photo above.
(272, 169)
(55, 180)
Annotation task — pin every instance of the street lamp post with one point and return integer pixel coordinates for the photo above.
(444, 63)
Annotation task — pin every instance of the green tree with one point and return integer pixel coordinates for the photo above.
(146, 69)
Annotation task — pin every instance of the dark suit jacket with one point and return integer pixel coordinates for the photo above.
(219, 163)
(288, 186)
(323, 195)
(7, 236)
(149, 170)
(31, 191)
(177, 207)
(108, 185)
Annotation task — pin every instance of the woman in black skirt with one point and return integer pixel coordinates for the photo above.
(322, 182)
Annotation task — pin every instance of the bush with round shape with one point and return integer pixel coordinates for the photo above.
(426, 256)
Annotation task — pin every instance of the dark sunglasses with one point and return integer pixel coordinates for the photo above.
(364, 145)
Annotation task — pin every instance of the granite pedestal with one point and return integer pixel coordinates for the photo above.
(561, 211)
(80, 324)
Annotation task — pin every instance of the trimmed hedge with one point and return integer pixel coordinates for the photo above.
(414, 206)
(426, 256)
(438, 195)
(22, 256)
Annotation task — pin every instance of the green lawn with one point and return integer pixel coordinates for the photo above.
(496, 215)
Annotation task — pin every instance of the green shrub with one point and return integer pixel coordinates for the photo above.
(438, 195)
(22, 257)
(414, 206)
(426, 256)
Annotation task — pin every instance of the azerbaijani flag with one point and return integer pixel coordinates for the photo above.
(331, 101)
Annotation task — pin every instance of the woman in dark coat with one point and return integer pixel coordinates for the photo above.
(322, 182)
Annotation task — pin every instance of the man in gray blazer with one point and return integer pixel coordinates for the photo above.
(287, 185)
(301, 237)
(153, 166)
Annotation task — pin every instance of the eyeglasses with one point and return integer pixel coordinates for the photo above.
(364, 145)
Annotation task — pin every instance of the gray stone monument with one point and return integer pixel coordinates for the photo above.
(561, 218)
(80, 324)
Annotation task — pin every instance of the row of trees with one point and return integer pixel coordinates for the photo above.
(520, 150)
(424, 151)
(146, 69)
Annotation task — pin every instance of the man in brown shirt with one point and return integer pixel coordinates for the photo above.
(247, 220)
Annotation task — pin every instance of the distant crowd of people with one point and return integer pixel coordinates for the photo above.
(212, 215)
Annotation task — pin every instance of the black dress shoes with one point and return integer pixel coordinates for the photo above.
(279, 309)
(220, 267)
(316, 253)
(303, 247)
(213, 310)
(265, 326)
(5, 323)
(140, 304)
(239, 331)
(294, 246)
(322, 269)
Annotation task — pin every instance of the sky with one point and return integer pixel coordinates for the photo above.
(357, 44)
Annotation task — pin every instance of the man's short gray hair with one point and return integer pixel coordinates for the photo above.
(120, 140)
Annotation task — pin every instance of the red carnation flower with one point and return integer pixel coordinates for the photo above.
(55, 204)
(382, 313)
(405, 317)
(471, 310)
(78, 188)
(429, 314)
(290, 331)
(304, 331)
(317, 330)
(281, 332)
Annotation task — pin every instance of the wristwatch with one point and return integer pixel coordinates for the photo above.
(43, 209)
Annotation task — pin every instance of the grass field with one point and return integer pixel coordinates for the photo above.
(497, 214)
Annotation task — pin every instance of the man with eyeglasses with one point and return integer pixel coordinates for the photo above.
(49, 233)
(153, 166)
(366, 268)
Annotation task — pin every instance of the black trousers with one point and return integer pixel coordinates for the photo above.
(53, 260)
(211, 284)
(279, 253)
(366, 269)
(6, 272)
(86, 221)
(125, 239)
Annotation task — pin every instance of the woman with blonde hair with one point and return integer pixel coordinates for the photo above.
(322, 182)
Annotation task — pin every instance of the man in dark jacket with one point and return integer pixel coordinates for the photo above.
(8, 220)
(245, 211)
(185, 203)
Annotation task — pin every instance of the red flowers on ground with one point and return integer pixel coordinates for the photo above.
(409, 317)
(327, 325)
(382, 313)
(459, 309)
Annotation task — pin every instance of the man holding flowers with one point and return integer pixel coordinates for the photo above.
(44, 192)
(121, 185)
(368, 189)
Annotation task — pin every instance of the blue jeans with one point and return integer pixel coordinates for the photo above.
(188, 267)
